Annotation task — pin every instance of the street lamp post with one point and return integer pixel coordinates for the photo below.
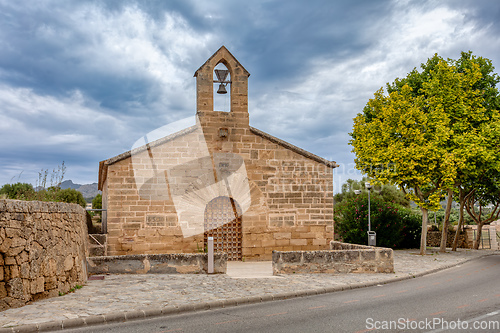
(369, 186)
(372, 236)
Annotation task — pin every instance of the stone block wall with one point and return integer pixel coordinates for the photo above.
(285, 193)
(43, 249)
(289, 202)
(335, 245)
(434, 239)
(157, 263)
(261, 242)
(343, 258)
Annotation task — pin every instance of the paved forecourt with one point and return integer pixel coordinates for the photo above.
(127, 297)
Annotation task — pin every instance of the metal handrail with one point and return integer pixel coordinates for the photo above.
(104, 223)
(96, 240)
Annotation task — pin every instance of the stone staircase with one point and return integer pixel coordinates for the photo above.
(98, 244)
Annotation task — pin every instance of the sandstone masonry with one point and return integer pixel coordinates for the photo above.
(284, 193)
(465, 241)
(43, 248)
(194, 263)
(342, 258)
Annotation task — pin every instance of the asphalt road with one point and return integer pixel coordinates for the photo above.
(465, 298)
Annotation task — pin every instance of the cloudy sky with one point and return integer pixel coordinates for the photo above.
(81, 81)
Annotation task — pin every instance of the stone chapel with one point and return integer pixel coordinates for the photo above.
(218, 177)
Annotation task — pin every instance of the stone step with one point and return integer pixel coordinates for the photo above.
(101, 238)
(96, 251)
(97, 245)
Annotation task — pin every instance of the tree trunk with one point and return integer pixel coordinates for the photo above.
(423, 238)
(460, 219)
(446, 222)
(478, 236)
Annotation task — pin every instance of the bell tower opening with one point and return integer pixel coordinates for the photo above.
(222, 85)
(222, 88)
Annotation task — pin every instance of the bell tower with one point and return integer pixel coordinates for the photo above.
(234, 82)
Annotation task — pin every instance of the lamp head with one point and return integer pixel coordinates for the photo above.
(368, 186)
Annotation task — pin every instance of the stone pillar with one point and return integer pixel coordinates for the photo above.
(493, 237)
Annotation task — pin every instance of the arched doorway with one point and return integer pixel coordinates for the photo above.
(223, 223)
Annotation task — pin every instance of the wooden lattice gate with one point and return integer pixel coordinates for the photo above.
(223, 223)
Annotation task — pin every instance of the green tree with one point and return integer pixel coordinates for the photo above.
(97, 202)
(20, 191)
(388, 193)
(396, 226)
(392, 219)
(483, 201)
(70, 195)
(416, 135)
(480, 142)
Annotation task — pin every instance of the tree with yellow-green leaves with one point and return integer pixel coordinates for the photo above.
(418, 134)
(481, 147)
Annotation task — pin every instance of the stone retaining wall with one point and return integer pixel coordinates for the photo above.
(434, 239)
(43, 248)
(343, 258)
(184, 263)
(334, 245)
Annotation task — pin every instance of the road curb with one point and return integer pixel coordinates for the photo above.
(151, 312)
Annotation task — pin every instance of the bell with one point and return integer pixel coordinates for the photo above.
(222, 89)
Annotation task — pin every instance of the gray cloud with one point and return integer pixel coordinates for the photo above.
(80, 81)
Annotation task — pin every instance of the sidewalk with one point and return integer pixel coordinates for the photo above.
(127, 297)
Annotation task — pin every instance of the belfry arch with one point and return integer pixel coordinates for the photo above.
(237, 89)
(222, 88)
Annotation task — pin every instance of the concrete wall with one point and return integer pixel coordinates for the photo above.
(343, 258)
(157, 263)
(43, 248)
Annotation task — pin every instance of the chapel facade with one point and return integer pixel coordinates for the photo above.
(219, 177)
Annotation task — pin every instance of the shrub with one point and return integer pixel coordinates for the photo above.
(25, 191)
(411, 229)
(70, 195)
(396, 226)
(97, 202)
(20, 191)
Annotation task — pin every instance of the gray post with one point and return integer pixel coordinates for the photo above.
(372, 238)
(210, 255)
(369, 217)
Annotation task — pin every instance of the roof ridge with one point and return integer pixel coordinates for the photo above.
(221, 49)
(294, 148)
(151, 144)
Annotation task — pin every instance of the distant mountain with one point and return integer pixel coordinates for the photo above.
(69, 184)
(88, 190)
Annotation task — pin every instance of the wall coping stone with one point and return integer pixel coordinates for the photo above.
(342, 258)
(167, 263)
(22, 206)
